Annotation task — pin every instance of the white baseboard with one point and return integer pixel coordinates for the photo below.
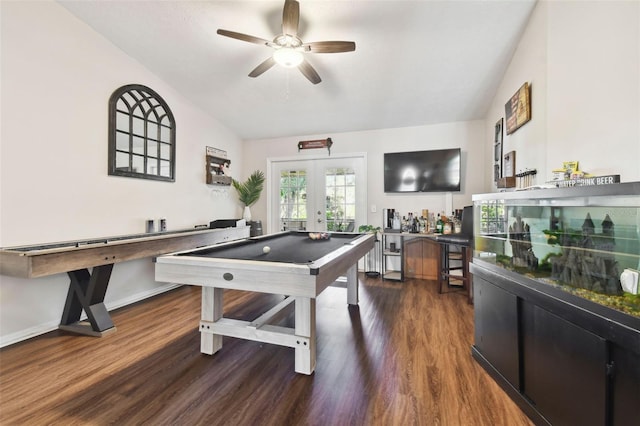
(43, 328)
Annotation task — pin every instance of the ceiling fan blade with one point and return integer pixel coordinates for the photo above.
(330, 46)
(290, 17)
(309, 72)
(264, 66)
(243, 37)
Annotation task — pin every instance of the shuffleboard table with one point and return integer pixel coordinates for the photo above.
(87, 288)
(294, 265)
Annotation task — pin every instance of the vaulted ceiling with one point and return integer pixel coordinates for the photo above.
(415, 63)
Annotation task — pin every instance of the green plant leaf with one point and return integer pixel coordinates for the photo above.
(250, 190)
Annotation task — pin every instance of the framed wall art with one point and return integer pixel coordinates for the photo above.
(509, 164)
(497, 151)
(508, 179)
(518, 109)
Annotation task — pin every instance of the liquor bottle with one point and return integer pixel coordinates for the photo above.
(439, 225)
(446, 228)
(396, 221)
(432, 223)
(457, 225)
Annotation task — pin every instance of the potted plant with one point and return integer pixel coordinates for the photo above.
(372, 258)
(249, 191)
(369, 229)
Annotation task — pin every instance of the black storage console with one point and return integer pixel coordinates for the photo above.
(564, 346)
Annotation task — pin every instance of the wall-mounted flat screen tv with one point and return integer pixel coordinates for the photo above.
(422, 171)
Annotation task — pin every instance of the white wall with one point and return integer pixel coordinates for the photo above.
(465, 135)
(594, 86)
(57, 76)
(583, 62)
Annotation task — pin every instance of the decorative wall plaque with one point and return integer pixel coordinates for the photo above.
(319, 143)
(518, 110)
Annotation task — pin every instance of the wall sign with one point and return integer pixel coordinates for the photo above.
(319, 143)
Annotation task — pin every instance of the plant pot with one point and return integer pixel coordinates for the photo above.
(247, 214)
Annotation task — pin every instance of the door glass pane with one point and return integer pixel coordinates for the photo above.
(340, 199)
(293, 200)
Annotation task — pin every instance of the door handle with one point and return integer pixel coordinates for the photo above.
(319, 220)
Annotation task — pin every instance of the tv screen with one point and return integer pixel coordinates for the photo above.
(422, 171)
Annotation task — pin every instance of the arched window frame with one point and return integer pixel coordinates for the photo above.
(142, 134)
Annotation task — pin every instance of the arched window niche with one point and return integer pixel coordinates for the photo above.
(142, 134)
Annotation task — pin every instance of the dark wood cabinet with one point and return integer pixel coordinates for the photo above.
(562, 363)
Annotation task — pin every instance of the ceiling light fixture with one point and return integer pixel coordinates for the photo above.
(289, 49)
(288, 57)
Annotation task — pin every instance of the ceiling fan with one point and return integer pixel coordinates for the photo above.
(288, 48)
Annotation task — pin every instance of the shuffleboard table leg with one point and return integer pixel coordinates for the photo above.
(212, 300)
(86, 293)
(352, 285)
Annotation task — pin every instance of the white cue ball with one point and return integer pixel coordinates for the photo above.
(266, 249)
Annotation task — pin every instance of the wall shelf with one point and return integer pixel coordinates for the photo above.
(396, 272)
(215, 170)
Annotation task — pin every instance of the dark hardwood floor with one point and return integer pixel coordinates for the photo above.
(402, 357)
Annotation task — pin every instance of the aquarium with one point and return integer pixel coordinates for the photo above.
(583, 240)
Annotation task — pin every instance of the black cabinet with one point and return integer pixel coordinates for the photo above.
(562, 363)
(496, 329)
(564, 368)
(625, 398)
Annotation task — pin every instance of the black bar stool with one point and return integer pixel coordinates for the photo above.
(455, 253)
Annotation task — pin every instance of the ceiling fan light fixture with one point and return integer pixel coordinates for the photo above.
(288, 57)
(288, 48)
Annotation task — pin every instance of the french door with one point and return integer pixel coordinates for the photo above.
(317, 194)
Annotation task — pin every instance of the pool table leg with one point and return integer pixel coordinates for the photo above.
(211, 311)
(352, 285)
(306, 327)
